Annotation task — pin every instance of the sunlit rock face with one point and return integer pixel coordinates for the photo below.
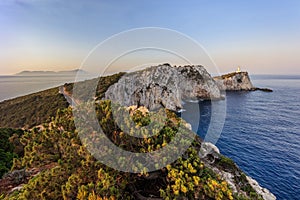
(164, 85)
(234, 81)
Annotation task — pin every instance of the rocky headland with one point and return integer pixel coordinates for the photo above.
(237, 81)
(165, 86)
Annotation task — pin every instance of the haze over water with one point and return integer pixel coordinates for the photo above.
(14, 86)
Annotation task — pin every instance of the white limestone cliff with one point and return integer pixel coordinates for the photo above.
(234, 81)
(165, 86)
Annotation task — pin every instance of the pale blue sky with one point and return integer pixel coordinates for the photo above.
(261, 36)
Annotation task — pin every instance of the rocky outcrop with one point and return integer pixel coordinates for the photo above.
(237, 81)
(265, 193)
(13, 180)
(165, 86)
(230, 172)
(234, 81)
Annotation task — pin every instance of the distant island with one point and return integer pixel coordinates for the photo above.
(51, 73)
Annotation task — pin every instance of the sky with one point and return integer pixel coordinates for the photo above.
(261, 36)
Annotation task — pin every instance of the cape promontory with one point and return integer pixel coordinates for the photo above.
(237, 81)
(234, 81)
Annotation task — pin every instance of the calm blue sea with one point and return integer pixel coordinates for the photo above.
(14, 86)
(261, 132)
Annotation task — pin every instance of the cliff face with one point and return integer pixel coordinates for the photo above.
(165, 86)
(234, 81)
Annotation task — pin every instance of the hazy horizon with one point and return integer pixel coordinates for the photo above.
(260, 36)
(251, 74)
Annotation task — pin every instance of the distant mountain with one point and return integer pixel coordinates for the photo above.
(51, 73)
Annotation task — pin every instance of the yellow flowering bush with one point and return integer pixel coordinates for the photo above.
(190, 178)
(69, 171)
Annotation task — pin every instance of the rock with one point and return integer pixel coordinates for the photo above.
(16, 179)
(13, 180)
(229, 177)
(188, 126)
(210, 155)
(208, 148)
(17, 188)
(234, 81)
(264, 89)
(265, 193)
(237, 81)
(165, 86)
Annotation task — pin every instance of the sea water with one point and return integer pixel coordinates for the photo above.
(14, 86)
(261, 132)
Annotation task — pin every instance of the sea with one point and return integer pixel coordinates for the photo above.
(260, 130)
(15, 86)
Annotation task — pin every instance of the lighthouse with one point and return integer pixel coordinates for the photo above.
(238, 70)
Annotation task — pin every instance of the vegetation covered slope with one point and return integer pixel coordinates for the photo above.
(68, 171)
(9, 148)
(34, 109)
(224, 76)
(102, 83)
(31, 110)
